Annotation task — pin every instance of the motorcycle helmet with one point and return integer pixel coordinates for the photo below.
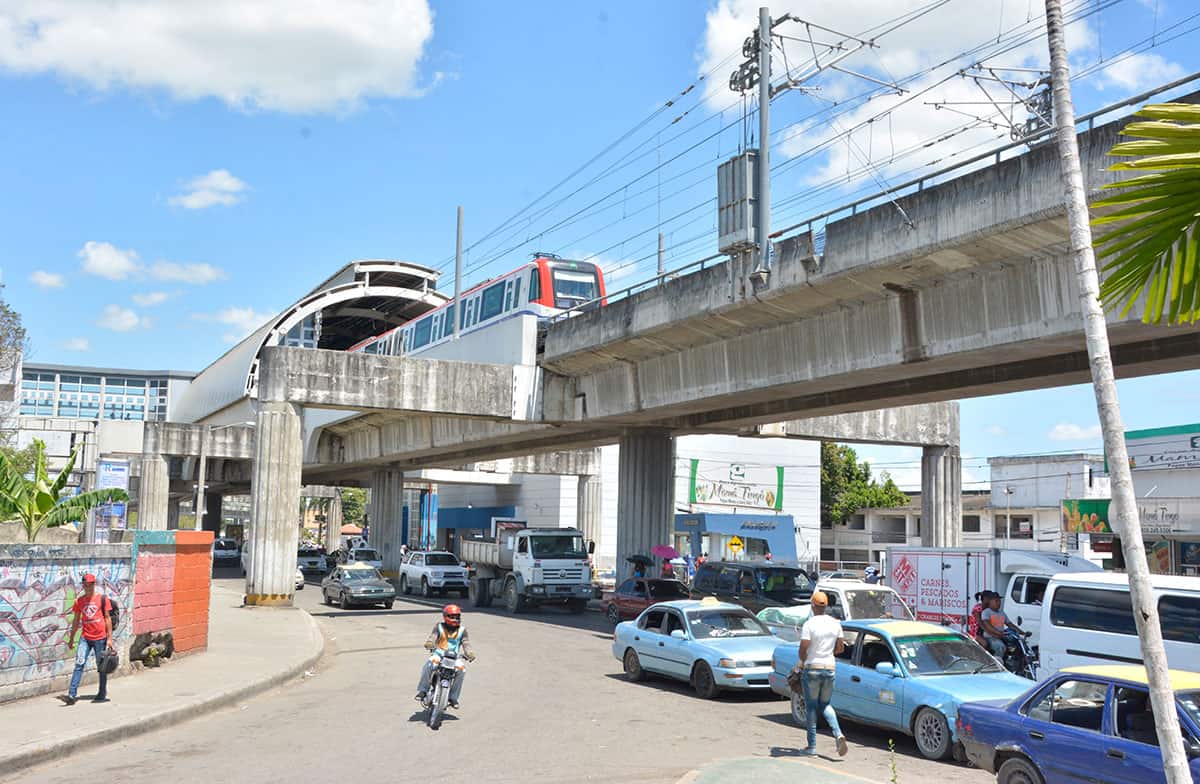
(452, 615)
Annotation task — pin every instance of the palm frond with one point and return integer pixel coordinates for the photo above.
(61, 480)
(75, 508)
(1149, 246)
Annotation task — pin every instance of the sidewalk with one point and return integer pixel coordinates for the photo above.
(250, 650)
(762, 770)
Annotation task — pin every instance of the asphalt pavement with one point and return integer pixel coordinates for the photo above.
(545, 702)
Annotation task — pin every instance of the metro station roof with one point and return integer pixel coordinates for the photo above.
(361, 299)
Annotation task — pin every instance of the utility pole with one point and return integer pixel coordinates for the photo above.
(458, 275)
(763, 269)
(661, 261)
(201, 467)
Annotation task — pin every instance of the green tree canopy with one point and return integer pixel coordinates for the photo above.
(354, 504)
(847, 486)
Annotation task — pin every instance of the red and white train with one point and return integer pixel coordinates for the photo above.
(544, 287)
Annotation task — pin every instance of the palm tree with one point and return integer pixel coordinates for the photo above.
(1145, 610)
(38, 502)
(1154, 246)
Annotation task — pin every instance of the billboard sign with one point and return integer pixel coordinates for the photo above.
(1158, 517)
(713, 483)
(111, 474)
(1164, 448)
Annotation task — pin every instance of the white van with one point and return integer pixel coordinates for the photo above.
(1087, 619)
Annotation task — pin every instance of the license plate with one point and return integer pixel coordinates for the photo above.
(563, 589)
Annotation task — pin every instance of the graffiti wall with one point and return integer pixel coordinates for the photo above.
(38, 586)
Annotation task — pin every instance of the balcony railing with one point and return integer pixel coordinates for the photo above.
(889, 537)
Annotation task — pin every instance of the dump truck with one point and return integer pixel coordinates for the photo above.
(528, 567)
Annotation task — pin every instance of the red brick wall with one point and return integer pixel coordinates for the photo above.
(193, 576)
(153, 588)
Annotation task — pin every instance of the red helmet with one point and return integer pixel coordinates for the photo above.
(452, 615)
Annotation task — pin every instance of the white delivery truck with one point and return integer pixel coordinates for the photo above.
(527, 567)
(940, 584)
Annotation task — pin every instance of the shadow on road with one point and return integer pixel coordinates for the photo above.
(679, 687)
(552, 616)
(365, 613)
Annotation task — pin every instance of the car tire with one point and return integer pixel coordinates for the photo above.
(613, 614)
(633, 666)
(1018, 770)
(799, 710)
(425, 592)
(388, 604)
(703, 681)
(345, 602)
(463, 593)
(325, 598)
(404, 589)
(932, 734)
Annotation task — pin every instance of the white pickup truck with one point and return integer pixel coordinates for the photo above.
(432, 572)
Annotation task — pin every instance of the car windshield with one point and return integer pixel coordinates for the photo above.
(874, 603)
(782, 582)
(725, 623)
(224, 545)
(668, 589)
(786, 616)
(440, 559)
(365, 554)
(558, 547)
(1190, 700)
(944, 654)
(355, 575)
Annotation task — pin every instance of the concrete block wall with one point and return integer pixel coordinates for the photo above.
(38, 586)
(160, 581)
(171, 592)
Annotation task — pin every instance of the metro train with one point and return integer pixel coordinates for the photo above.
(544, 287)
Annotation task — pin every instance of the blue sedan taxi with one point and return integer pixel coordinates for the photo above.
(710, 644)
(1091, 724)
(908, 676)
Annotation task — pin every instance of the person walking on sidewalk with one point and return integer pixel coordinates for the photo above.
(92, 611)
(820, 642)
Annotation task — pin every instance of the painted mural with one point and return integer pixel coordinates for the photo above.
(37, 590)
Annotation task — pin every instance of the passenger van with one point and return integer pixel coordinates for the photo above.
(1087, 619)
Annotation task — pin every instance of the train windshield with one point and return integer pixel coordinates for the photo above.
(574, 286)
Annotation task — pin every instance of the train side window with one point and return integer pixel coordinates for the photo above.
(492, 302)
(421, 332)
(450, 318)
(517, 293)
(508, 292)
(535, 285)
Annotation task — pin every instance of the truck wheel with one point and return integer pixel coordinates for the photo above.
(513, 601)
(475, 592)
(577, 606)
(703, 681)
(425, 592)
(345, 603)
(404, 584)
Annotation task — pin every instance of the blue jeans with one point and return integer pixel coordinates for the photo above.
(818, 691)
(427, 676)
(85, 649)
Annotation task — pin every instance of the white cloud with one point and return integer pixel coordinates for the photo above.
(150, 299)
(995, 430)
(1069, 431)
(120, 319)
(108, 261)
(77, 344)
(243, 320)
(216, 187)
(1140, 71)
(47, 280)
(285, 55)
(195, 274)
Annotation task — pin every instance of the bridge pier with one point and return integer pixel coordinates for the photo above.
(387, 514)
(645, 496)
(588, 507)
(333, 524)
(153, 494)
(941, 497)
(274, 494)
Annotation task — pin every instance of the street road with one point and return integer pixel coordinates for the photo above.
(545, 702)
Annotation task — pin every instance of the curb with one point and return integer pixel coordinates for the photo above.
(168, 717)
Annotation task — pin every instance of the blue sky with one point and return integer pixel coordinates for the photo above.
(175, 174)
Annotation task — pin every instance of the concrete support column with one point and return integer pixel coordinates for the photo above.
(387, 505)
(333, 524)
(645, 496)
(173, 505)
(941, 497)
(153, 494)
(274, 499)
(587, 513)
(212, 512)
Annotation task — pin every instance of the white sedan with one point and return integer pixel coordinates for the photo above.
(299, 579)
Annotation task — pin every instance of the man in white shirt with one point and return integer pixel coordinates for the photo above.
(820, 642)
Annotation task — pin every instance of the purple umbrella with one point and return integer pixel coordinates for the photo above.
(664, 551)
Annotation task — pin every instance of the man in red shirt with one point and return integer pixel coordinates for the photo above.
(93, 612)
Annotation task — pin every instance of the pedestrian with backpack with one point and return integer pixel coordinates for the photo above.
(93, 612)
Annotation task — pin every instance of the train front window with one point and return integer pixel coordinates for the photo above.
(574, 287)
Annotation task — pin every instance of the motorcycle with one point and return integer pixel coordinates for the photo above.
(1019, 658)
(447, 668)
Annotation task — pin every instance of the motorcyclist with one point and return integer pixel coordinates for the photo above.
(996, 626)
(449, 635)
